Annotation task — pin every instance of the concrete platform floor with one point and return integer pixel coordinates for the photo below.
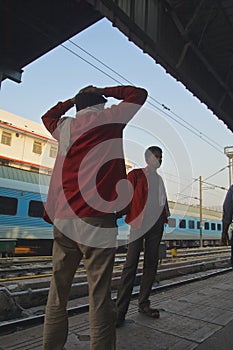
(193, 316)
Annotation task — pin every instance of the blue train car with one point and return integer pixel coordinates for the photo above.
(184, 231)
(183, 227)
(22, 197)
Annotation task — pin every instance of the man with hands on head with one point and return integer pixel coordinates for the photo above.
(81, 204)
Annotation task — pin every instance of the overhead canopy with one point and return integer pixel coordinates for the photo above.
(30, 28)
(191, 39)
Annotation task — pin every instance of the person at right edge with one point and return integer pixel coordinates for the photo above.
(227, 218)
(146, 214)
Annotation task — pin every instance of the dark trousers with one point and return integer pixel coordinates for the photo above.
(151, 240)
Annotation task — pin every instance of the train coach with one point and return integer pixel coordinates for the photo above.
(184, 228)
(185, 231)
(22, 197)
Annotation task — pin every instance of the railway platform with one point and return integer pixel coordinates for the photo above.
(197, 315)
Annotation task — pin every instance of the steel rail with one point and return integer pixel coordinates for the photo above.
(81, 270)
(7, 327)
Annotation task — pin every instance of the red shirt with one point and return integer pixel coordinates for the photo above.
(84, 181)
(142, 203)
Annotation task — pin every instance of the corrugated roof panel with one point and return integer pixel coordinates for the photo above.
(24, 175)
(192, 40)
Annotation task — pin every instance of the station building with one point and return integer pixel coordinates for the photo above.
(28, 147)
(26, 144)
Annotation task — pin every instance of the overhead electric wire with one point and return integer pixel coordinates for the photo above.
(204, 181)
(91, 64)
(115, 72)
(184, 126)
(101, 62)
(217, 172)
(215, 186)
(198, 133)
(53, 31)
(153, 105)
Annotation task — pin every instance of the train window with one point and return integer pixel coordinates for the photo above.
(207, 226)
(36, 209)
(198, 225)
(213, 226)
(219, 227)
(8, 205)
(182, 224)
(37, 147)
(172, 222)
(6, 138)
(191, 224)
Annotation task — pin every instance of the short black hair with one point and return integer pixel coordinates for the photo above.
(152, 149)
(88, 99)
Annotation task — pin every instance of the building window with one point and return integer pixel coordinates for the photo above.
(37, 147)
(172, 222)
(8, 205)
(36, 209)
(191, 224)
(53, 152)
(6, 138)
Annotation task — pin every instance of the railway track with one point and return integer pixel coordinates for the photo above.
(10, 326)
(23, 297)
(12, 269)
(29, 263)
(182, 252)
(30, 270)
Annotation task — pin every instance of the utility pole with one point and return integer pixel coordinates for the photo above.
(200, 187)
(228, 150)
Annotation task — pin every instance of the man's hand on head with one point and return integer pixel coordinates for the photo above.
(92, 89)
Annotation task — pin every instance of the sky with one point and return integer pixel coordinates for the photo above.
(191, 136)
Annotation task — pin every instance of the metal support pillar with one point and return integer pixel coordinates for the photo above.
(201, 222)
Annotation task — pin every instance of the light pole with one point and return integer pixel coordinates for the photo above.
(228, 150)
(200, 209)
(200, 199)
(200, 205)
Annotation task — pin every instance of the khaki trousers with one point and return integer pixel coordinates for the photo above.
(151, 241)
(98, 262)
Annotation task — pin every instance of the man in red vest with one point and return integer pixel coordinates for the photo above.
(147, 213)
